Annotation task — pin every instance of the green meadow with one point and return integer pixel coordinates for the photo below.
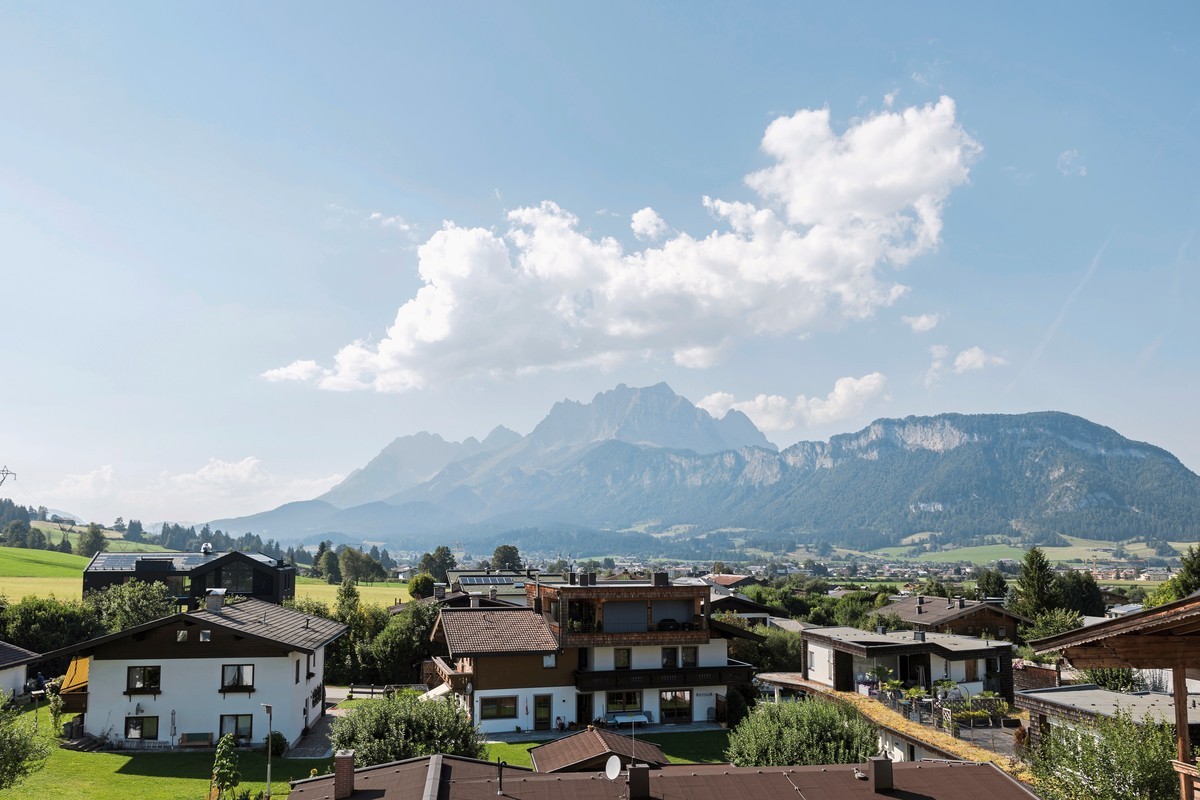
(146, 776)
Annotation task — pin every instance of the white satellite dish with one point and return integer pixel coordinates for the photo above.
(612, 769)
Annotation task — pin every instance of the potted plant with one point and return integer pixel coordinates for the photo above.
(893, 686)
(943, 686)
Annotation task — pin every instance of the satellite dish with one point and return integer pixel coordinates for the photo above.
(612, 769)
(470, 688)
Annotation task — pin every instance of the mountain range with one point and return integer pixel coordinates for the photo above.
(647, 459)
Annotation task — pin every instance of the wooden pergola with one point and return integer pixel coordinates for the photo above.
(1166, 637)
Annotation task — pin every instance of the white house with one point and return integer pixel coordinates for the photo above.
(13, 660)
(192, 677)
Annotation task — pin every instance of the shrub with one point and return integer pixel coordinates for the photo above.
(277, 742)
(805, 732)
(401, 726)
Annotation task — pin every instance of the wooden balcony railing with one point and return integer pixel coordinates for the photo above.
(451, 674)
(733, 672)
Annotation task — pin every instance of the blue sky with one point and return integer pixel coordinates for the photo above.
(243, 246)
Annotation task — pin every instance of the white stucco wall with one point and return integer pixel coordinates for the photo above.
(897, 748)
(820, 663)
(12, 681)
(563, 705)
(957, 672)
(191, 688)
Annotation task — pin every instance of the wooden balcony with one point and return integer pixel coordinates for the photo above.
(449, 673)
(585, 635)
(734, 672)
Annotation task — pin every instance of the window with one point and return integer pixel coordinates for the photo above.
(550, 661)
(691, 657)
(623, 701)
(622, 658)
(181, 636)
(142, 680)
(206, 636)
(297, 670)
(498, 707)
(237, 678)
(141, 727)
(237, 578)
(1002, 632)
(240, 725)
(670, 657)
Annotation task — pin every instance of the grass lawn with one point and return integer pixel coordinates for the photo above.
(384, 594)
(148, 776)
(693, 747)
(19, 562)
(62, 588)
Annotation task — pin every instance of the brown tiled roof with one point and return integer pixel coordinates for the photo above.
(722, 579)
(584, 749)
(471, 631)
(938, 610)
(452, 778)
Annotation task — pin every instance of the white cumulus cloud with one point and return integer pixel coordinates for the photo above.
(969, 360)
(975, 358)
(834, 215)
(647, 224)
(922, 323)
(1071, 165)
(772, 412)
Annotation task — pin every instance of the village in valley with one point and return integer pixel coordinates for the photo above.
(555, 679)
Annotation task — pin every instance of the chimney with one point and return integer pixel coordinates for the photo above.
(661, 579)
(879, 773)
(962, 603)
(591, 579)
(918, 636)
(343, 774)
(537, 604)
(639, 782)
(492, 593)
(920, 609)
(571, 577)
(529, 572)
(474, 601)
(214, 600)
(920, 600)
(439, 592)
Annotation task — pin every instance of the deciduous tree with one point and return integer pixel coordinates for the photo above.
(22, 751)
(91, 541)
(1116, 758)
(438, 563)
(506, 556)
(421, 586)
(401, 726)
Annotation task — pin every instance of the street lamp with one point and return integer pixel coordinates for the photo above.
(270, 731)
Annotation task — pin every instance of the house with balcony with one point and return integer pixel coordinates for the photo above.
(582, 651)
(843, 659)
(190, 576)
(191, 677)
(957, 615)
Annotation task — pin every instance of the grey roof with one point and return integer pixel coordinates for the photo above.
(1091, 699)
(275, 623)
(164, 561)
(13, 656)
(253, 619)
(948, 643)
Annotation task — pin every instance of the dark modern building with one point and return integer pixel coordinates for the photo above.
(190, 575)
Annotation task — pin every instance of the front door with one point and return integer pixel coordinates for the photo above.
(543, 705)
(583, 709)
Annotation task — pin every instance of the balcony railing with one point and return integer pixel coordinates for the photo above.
(668, 678)
(449, 673)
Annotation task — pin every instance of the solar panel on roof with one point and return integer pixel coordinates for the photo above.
(485, 580)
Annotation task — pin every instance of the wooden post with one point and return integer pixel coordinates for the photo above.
(1179, 694)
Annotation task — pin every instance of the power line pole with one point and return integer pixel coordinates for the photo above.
(5, 472)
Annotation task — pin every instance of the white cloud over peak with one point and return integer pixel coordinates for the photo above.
(647, 224)
(922, 323)
(777, 413)
(969, 360)
(835, 212)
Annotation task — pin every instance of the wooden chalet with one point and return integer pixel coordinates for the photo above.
(1166, 637)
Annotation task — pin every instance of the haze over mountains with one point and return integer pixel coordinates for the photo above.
(647, 457)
